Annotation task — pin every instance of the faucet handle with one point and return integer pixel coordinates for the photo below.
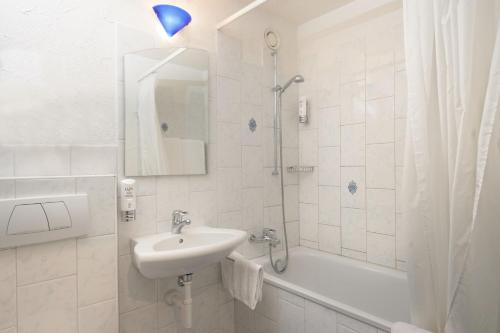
(269, 232)
(179, 220)
(268, 236)
(178, 213)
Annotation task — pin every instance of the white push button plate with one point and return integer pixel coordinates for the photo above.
(27, 219)
(35, 220)
(57, 215)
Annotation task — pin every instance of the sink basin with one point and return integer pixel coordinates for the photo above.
(167, 254)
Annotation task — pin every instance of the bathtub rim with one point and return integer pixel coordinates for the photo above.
(327, 302)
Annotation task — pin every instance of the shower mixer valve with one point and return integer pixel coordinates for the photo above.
(268, 236)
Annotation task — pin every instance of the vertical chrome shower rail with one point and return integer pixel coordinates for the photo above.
(280, 265)
(275, 119)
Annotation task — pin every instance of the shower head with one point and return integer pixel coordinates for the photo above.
(295, 79)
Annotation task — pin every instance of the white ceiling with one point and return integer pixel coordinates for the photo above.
(300, 11)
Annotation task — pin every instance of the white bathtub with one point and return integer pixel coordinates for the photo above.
(374, 295)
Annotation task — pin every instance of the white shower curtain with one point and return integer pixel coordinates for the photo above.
(151, 145)
(451, 181)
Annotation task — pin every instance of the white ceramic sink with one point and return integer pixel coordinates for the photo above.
(166, 254)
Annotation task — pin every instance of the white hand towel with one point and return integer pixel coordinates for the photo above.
(243, 279)
(400, 327)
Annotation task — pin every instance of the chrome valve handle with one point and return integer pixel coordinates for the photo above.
(268, 236)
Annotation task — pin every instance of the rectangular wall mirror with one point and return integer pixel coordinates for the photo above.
(166, 112)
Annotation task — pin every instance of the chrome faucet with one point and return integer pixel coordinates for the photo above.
(179, 221)
(268, 236)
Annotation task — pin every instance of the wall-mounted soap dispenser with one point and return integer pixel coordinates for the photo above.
(128, 200)
(303, 110)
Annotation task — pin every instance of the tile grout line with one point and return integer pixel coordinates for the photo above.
(340, 170)
(76, 282)
(395, 263)
(32, 284)
(366, 167)
(56, 177)
(17, 291)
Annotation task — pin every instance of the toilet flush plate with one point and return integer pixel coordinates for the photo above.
(34, 220)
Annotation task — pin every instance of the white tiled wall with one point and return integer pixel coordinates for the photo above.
(64, 139)
(61, 88)
(283, 312)
(68, 285)
(356, 85)
(238, 191)
(57, 73)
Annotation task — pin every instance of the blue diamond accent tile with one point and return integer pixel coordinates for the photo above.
(252, 125)
(352, 187)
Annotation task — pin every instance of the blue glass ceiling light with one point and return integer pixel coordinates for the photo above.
(173, 18)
